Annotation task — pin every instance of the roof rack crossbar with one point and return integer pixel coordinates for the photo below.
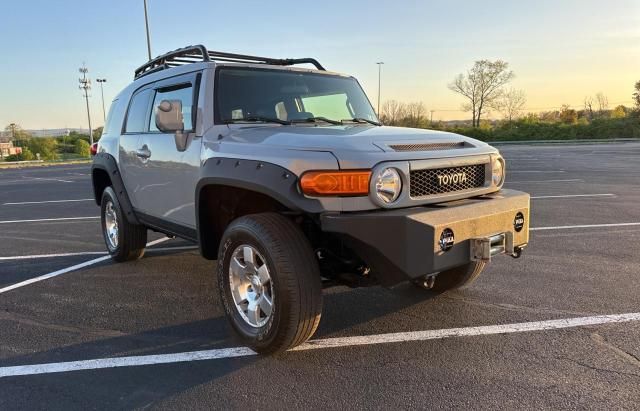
(241, 58)
(199, 53)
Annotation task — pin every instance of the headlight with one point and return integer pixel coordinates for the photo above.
(388, 185)
(498, 171)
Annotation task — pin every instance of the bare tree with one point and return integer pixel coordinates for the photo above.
(482, 86)
(588, 107)
(393, 112)
(636, 95)
(510, 103)
(416, 115)
(603, 102)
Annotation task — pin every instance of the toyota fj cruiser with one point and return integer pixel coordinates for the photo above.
(285, 176)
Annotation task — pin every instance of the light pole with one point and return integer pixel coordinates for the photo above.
(146, 23)
(102, 80)
(85, 86)
(380, 63)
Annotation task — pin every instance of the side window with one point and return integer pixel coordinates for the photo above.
(138, 112)
(108, 125)
(184, 93)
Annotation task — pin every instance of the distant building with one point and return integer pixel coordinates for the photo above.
(7, 148)
(48, 132)
(56, 132)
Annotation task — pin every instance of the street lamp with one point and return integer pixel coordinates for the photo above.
(146, 23)
(380, 63)
(85, 86)
(102, 80)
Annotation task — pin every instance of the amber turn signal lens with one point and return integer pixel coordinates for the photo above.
(336, 183)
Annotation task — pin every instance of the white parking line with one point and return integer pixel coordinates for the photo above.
(135, 361)
(50, 201)
(568, 227)
(537, 171)
(574, 195)
(69, 269)
(48, 219)
(545, 181)
(47, 179)
(39, 256)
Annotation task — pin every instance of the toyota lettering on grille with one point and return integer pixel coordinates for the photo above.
(453, 178)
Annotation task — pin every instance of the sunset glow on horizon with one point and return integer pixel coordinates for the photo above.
(560, 52)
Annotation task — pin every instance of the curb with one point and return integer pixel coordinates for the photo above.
(41, 164)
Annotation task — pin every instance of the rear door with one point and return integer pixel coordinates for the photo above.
(133, 129)
(169, 176)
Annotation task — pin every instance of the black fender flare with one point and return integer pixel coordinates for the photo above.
(265, 178)
(107, 163)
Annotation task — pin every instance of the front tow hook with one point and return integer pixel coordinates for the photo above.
(517, 252)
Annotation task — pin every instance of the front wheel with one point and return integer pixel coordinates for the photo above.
(125, 241)
(269, 282)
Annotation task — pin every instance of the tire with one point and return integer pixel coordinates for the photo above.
(291, 285)
(128, 240)
(458, 277)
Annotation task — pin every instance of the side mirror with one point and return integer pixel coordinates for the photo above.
(169, 120)
(169, 116)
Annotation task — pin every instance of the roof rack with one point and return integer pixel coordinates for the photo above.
(199, 53)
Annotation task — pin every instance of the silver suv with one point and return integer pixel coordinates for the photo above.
(285, 176)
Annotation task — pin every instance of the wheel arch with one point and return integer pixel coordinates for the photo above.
(221, 202)
(105, 173)
(231, 188)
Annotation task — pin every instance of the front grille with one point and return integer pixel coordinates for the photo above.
(428, 146)
(446, 180)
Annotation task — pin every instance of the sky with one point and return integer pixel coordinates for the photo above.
(560, 51)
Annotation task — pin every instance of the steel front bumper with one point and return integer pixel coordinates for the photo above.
(400, 245)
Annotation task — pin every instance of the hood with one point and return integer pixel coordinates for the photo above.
(358, 138)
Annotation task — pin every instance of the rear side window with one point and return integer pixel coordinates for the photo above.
(138, 112)
(108, 125)
(184, 93)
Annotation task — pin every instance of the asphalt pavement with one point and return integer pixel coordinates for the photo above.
(151, 333)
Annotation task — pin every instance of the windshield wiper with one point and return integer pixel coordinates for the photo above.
(362, 120)
(253, 119)
(316, 119)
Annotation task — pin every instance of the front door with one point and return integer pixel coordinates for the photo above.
(169, 175)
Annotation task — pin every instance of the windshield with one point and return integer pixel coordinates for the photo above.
(282, 96)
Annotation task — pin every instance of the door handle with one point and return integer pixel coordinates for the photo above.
(144, 152)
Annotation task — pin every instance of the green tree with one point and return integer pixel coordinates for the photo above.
(46, 147)
(482, 86)
(568, 115)
(82, 148)
(97, 133)
(619, 112)
(636, 95)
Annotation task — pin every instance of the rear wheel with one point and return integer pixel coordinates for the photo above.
(125, 241)
(269, 282)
